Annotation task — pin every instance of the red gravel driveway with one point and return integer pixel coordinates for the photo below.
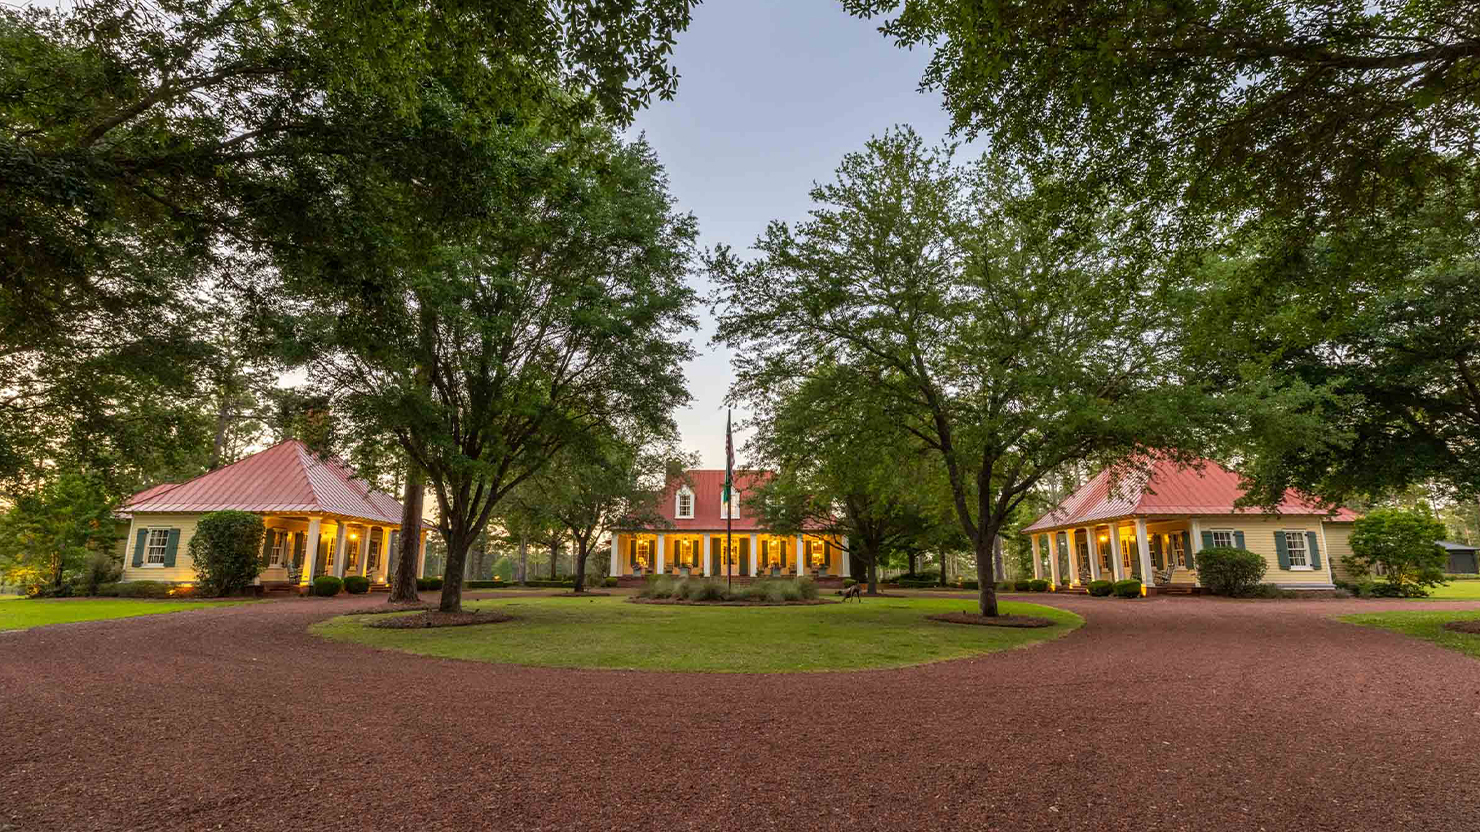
(1176, 713)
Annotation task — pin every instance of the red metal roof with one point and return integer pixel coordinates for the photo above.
(1169, 489)
(286, 478)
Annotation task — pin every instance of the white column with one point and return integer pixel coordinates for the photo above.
(1194, 534)
(341, 534)
(845, 568)
(365, 551)
(421, 555)
(659, 560)
(1143, 550)
(801, 558)
(1037, 559)
(708, 555)
(616, 557)
(754, 556)
(1117, 567)
(1073, 558)
(310, 551)
(1092, 546)
(1053, 558)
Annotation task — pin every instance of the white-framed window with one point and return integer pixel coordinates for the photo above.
(1223, 538)
(644, 553)
(1125, 552)
(155, 546)
(725, 505)
(1295, 546)
(377, 540)
(684, 504)
(814, 548)
(279, 543)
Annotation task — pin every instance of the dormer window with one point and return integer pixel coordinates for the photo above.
(724, 505)
(684, 508)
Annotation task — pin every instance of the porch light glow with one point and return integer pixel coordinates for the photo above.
(1104, 537)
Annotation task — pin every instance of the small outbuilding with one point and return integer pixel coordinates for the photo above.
(1462, 558)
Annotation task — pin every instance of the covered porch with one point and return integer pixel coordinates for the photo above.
(637, 554)
(298, 548)
(1159, 552)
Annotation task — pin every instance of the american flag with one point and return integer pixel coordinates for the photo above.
(729, 458)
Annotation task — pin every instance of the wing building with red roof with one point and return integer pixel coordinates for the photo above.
(1154, 520)
(320, 519)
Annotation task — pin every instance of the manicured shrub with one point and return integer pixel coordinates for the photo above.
(1269, 591)
(701, 589)
(928, 576)
(658, 586)
(356, 584)
(915, 584)
(1128, 588)
(1226, 570)
(143, 589)
(556, 584)
(1101, 588)
(493, 584)
(1005, 586)
(611, 580)
(970, 584)
(807, 588)
(1038, 585)
(1025, 585)
(1400, 544)
(428, 584)
(108, 590)
(327, 586)
(227, 550)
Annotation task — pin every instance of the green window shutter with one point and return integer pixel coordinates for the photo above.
(1207, 538)
(1282, 550)
(299, 545)
(1238, 540)
(1156, 560)
(171, 547)
(1187, 547)
(1314, 549)
(826, 554)
(141, 540)
(632, 551)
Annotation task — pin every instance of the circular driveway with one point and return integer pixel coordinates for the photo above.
(1168, 713)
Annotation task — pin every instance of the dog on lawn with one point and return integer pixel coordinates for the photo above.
(854, 591)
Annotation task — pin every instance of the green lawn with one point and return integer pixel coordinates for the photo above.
(1428, 626)
(23, 613)
(1455, 591)
(612, 633)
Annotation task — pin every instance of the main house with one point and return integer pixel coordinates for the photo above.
(691, 537)
(320, 519)
(1154, 523)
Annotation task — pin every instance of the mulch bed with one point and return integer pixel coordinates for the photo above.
(679, 602)
(1469, 625)
(390, 608)
(1021, 621)
(440, 619)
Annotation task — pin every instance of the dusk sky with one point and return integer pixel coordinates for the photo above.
(772, 94)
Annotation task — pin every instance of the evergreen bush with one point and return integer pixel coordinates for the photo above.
(428, 584)
(1101, 588)
(1128, 588)
(327, 586)
(1230, 571)
(227, 552)
(1038, 585)
(1024, 585)
(356, 584)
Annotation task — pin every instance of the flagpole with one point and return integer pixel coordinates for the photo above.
(729, 503)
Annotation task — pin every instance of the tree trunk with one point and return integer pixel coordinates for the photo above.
(944, 579)
(403, 584)
(554, 558)
(580, 570)
(913, 559)
(985, 572)
(452, 573)
(873, 576)
(523, 559)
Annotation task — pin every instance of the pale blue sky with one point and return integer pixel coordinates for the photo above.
(772, 94)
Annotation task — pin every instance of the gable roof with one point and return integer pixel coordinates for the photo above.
(1170, 488)
(286, 478)
(707, 485)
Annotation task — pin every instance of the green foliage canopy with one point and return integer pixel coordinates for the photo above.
(1404, 543)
